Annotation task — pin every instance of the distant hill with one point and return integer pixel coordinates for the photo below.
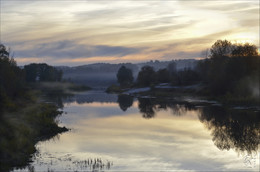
(104, 74)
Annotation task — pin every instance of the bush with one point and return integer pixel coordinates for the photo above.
(114, 89)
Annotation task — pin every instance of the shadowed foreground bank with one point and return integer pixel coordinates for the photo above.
(24, 118)
(20, 130)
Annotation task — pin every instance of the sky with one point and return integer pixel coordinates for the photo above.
(77, 32)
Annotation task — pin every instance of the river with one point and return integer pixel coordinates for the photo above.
(122, 133)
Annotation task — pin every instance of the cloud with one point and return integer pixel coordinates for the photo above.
(71, 50)
(124, 30)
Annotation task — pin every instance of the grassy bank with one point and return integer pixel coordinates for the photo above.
(24, 117)
(31, 118)
(63, 87)
(21, 129)
(28, 120)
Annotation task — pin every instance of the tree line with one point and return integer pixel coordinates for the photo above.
(230, 69)
(23, 120)
(42, 72)
(14, 80)
(148, 76)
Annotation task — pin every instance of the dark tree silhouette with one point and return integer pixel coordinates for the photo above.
(125, 101)
(163, 76)
(146, 76)
(124, 76)
(232, 129)
(244, 50)
(11, 77)
(31, 122)
(202, 68)
(229, 67)
(172, 67)
(187, 76)
(42, 72)
(221, 48)
(146, 107)
(4, 53)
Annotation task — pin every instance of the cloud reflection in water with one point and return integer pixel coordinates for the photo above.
(176, 139)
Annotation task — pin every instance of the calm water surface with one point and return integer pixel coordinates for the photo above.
(150, 135)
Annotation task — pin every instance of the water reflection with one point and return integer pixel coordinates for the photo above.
(173, 138)
(120, 132)
(92, 96)
(95, 164)
(232, 129)
(125, 101)
(146, 107)
(149, 106)
(56, 97)
(72, 164)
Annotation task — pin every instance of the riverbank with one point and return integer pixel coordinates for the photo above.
(63, 87)
(30, 119)
(167, 91)
(22, 128)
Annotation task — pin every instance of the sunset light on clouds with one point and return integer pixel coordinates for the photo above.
(81, 32)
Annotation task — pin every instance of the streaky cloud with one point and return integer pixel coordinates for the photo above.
(71, 49)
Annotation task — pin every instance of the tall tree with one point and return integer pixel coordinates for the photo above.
(244, 50)
(146, 76)
(124, 76)
(11, 76)
(4, 53)
(221, 48)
